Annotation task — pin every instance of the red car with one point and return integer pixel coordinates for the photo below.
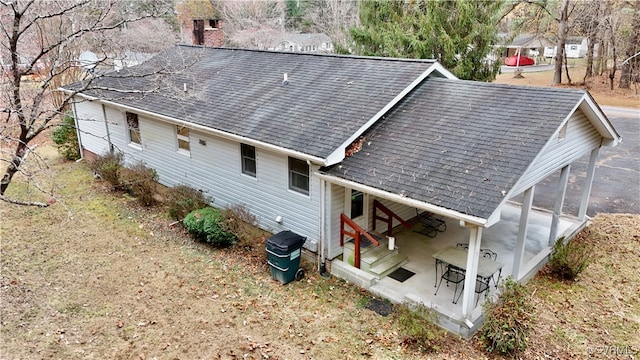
(524, 61)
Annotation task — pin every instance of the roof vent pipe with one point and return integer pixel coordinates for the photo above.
(285, 81)
(184, 85)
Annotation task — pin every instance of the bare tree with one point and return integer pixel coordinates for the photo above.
(632, 61)
(46, 38)
(563, 30)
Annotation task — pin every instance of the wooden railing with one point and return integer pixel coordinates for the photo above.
(377, 205)
(357, 233)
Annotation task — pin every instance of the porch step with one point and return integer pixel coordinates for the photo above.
(388, 264)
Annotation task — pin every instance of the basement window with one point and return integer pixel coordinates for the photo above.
(133, 128)
(214, 23)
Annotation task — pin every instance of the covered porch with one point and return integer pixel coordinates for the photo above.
(419, 249)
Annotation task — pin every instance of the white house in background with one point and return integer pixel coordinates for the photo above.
(313, 43)
(350, 150)
(575, 47)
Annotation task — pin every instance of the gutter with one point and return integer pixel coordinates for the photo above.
(465, 220)
(208, 130)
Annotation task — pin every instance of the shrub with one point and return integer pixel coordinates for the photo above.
(508, 320)
(108, 167)
(66, 139)
(569, 259)
(183, 199)
(207, 225)
(140, 181)
(418, 326)
(240, 222)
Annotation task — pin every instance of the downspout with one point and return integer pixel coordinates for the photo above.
(106, 125)
(75, 121)
(323, 223)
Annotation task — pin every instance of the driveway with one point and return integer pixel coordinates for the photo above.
(616, 184)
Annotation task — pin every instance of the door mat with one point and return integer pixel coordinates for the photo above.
(401, 274)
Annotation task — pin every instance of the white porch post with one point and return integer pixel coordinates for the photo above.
(472, 271)
(557, 209)
(518, 253)
(582, 213)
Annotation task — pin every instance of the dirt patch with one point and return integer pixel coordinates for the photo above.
(97, 276)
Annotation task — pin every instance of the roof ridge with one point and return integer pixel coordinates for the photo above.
(523, 86)
(312, 54)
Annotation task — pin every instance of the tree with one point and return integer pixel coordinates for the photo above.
(45, 38)
(632, 61)
(563, 30)
(459, 34)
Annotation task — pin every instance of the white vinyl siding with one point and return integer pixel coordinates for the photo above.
(92, 127)
(580, 139)
(214, 166)
(333, 219)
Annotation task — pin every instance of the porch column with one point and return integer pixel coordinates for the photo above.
(472, 271)
(518, 252)
(582, 213)
(557, 209)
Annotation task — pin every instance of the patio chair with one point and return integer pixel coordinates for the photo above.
(431, 225)
(486, 253)
(482, 287)
(453, 275)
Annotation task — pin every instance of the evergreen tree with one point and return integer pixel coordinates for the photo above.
(459, 34)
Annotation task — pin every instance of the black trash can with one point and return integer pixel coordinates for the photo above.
(283, 250)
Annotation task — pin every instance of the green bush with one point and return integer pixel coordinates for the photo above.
(508, 321)
(66, 139)
(569, 259)
(108, 167)
(207, 225)
(418, 326)
(183, 199)
(140, 181)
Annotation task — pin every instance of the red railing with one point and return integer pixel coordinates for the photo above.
(356, 235)
(389, 219)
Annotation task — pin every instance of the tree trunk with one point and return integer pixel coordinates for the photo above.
(562, 39)
(633, 45)
(13, 167)
(566, 68)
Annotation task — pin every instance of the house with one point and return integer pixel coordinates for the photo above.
(575, 47)
(205, 32)
(381, 163)
(524, 44)
(316, 42)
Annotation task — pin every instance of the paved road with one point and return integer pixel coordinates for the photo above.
(616, 185)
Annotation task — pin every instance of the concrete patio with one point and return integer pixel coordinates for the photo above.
(420, 288)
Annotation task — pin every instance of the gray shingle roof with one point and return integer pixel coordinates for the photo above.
(327, 99)
(458, 144)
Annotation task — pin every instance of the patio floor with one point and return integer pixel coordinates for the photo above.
(501, 238)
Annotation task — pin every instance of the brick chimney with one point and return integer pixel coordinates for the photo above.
(205, 32)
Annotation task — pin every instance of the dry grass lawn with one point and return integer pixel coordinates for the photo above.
(94, 276)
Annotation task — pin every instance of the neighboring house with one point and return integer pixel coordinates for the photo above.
(204, 32)
(346, 150)
(314, 43)
(575, 47)
(524, 44)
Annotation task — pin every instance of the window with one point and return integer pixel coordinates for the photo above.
(299, 176)
(214, 23)
(563, 132)
(182, 134)
(133, 127)
(357, 203)
(573, 47)
(248, 154)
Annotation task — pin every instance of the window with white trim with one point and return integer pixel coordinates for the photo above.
(182, 134)
(133, 128)
(248, 154)
(299, 176)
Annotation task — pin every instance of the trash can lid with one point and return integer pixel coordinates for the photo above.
(286, 240)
